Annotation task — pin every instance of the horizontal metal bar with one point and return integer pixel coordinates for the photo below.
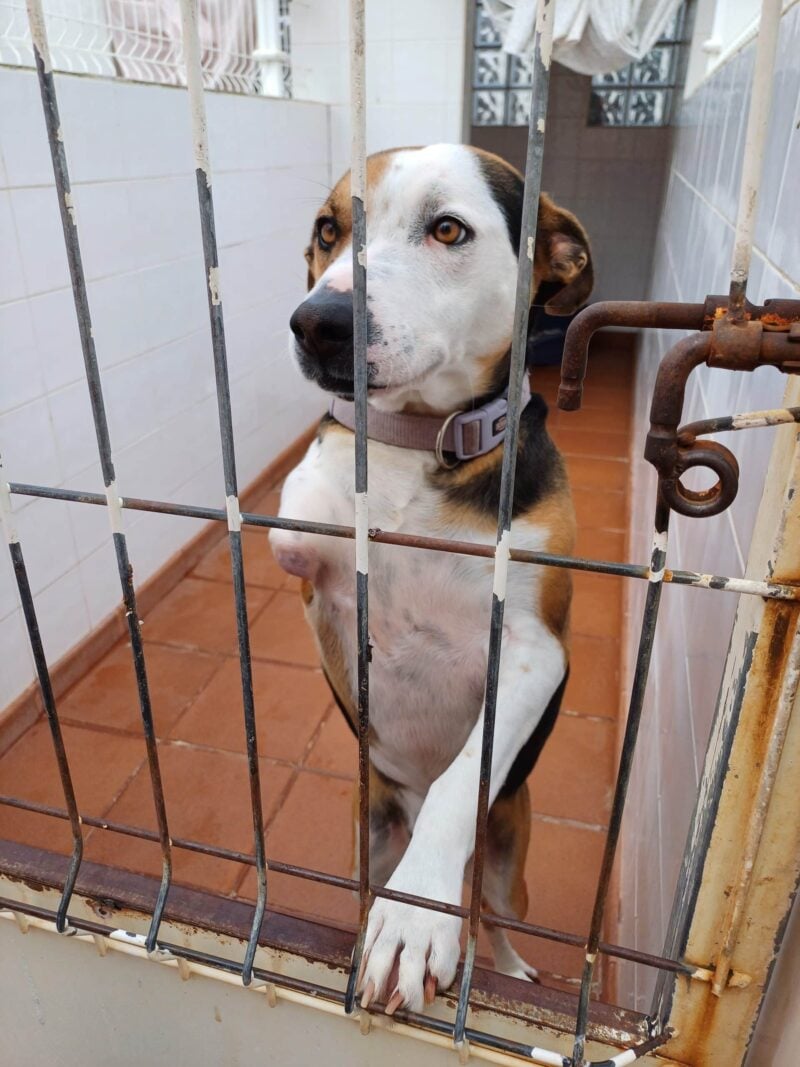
(748, 420)
(292, 870)
(312, 989)
(717, 582)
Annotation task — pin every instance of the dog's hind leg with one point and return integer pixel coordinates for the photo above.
(388, 828)
(504, 889)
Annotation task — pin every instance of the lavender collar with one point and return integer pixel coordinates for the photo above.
(463, 434)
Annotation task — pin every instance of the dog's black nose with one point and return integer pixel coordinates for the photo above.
(323, 325)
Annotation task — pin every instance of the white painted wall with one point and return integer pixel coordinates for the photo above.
(414, 70)
(692, 259)
(129, 151)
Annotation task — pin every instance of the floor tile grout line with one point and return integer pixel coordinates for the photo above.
(120, 792)
(193, 700)
(233, 655)
(177, 742)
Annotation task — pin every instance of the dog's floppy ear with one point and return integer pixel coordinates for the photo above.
(563, 264)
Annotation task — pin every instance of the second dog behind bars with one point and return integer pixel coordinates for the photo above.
(443, 240)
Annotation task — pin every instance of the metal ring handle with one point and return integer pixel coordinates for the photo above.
(438, 449)
(705, 502)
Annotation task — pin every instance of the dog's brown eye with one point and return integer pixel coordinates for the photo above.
(449, 231)
(326, 234)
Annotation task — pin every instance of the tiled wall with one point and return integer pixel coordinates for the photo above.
(692, 258)
(414, 70)
(129, 150)
(130, 156)
(612, 179)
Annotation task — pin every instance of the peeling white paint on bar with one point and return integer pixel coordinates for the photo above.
(213, 285)
(358, 170)
(39, 33)
(234, 514)
(544, 27)
(6, 515)
(545, 1058)
(502, 555)
(69, 203)
(530, 248)
(114, 501)
(755, 138)
(772, 417)
(362, 533)
(623, 1058)
(362, 257)
(659, 546)
(194, 83)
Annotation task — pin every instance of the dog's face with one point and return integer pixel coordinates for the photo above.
(443, 228)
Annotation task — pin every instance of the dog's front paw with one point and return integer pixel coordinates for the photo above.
(409, 952)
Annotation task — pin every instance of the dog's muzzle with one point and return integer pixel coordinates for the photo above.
(323, 330)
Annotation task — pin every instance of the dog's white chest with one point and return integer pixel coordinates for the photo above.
(429, 611)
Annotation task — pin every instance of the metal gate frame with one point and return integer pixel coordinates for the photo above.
(733, 334)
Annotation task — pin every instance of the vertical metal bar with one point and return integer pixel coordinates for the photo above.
(754, 144)
(542, 50)
(636, 704)
(69, 224)
(194, 80)
(358, 191)
(43, 674)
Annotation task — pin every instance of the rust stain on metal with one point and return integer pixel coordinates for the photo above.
(773, 315)
(708, 1012)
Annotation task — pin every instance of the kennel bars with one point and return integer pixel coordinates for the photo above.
(714, 343)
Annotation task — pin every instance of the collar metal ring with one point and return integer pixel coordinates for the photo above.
(438, 450)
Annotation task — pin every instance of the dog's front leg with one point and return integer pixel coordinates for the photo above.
(408, 950)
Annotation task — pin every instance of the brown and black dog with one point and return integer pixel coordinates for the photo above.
(443, 240)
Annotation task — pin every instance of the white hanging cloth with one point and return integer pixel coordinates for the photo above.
(590, 36)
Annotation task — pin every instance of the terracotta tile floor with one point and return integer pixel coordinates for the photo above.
(308, 756)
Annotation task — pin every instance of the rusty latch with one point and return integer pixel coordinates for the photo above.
(766, 335)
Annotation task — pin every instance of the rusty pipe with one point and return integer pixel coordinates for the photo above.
(774, 315)
(634, 313)
(670, 457)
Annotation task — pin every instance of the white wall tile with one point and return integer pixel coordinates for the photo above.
(22, 130)
(128, 146)
(16, 663)
(57, 339)
(28, 445)
(20, 373)
(693, 245)
(41, 241)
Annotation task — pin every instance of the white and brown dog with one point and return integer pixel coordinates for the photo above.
(444, 225)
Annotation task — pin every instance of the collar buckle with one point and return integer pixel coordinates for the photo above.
(479, 431)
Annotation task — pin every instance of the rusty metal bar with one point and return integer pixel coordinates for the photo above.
(749, 420)
(358, 192)
(629, 313)
(716, 582)
(292, 870)
(69, 225)
(540, 85)
(733, 917)
(194, 80)
(635, 708)
(48, 699)
(653, 314)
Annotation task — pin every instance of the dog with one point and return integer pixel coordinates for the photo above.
(443, 242)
